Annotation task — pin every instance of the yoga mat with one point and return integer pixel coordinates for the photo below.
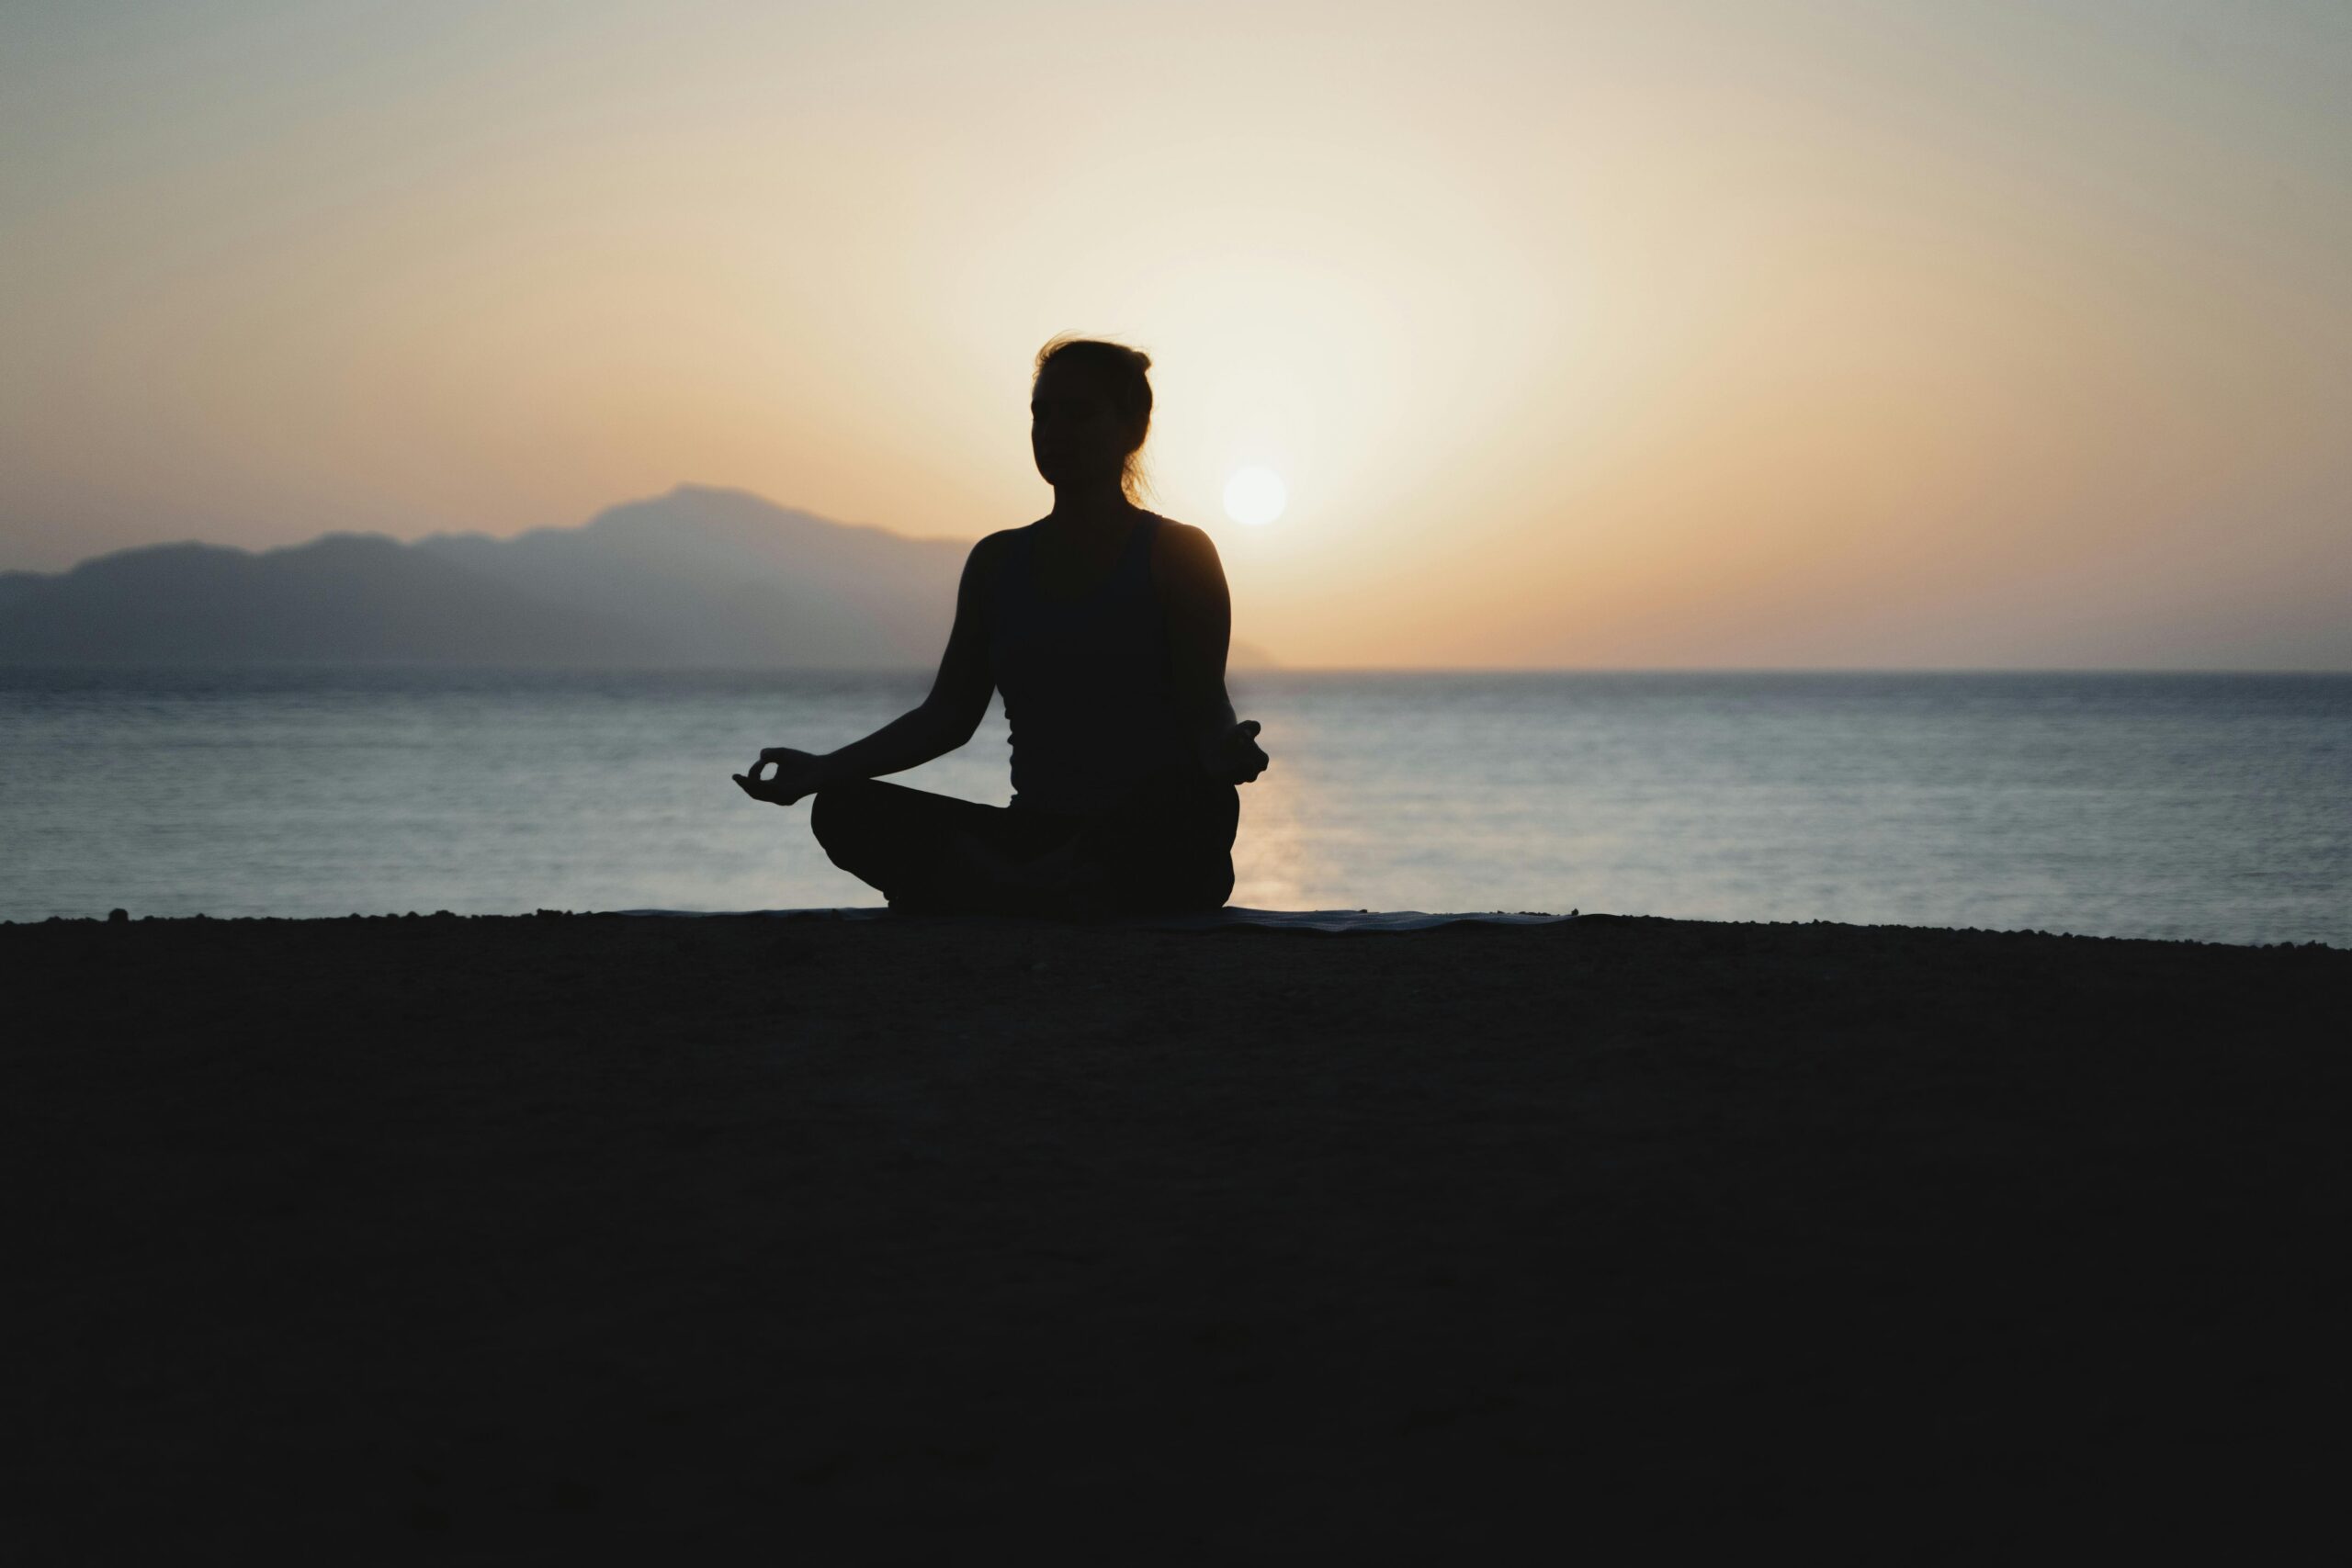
(1338, 922)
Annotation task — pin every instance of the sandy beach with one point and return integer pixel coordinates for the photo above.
(443, 1239)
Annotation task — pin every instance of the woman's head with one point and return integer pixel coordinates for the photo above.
(1089, 409)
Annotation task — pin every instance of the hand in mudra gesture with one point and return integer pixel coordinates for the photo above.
(1234, 757)
(797, 773)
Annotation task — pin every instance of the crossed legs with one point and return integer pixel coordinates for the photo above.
(1167, 846)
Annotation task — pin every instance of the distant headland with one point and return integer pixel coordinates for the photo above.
(700, 577)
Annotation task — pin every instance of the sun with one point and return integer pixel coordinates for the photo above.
(1255, 495)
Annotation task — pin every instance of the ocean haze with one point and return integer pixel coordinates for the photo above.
(700, 578)
(2203, 807)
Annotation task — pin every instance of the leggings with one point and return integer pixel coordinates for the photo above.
(1166, 847)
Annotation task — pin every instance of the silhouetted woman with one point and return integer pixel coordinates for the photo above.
(1106, 626)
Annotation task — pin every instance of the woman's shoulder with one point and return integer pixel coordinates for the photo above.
(991, 547)
(984, 566)
(1166, 531)
(1184, 563)
(1179, 544)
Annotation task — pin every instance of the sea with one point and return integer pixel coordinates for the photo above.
(2214, 808)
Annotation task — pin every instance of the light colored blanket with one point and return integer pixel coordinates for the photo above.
(1337, 922)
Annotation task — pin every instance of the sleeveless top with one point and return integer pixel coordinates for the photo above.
(1087, 686)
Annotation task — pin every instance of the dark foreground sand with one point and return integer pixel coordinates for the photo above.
(497, 1240)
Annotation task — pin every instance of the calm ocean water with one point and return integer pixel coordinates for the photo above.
(2210, 807)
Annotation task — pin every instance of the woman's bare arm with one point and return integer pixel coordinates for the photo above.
(1199, 628)
(943, 721)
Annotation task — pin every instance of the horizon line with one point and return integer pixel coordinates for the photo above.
(1232, 671)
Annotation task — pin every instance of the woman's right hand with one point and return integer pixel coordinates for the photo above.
(797, 773)
(1234, 756)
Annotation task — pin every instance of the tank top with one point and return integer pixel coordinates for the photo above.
(1087, 686)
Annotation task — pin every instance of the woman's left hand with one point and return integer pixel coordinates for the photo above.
(1234, 757)
(798, 773)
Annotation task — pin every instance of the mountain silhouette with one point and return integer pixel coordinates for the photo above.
(699, 577)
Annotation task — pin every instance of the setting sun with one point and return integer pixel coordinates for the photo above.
(1255, 495)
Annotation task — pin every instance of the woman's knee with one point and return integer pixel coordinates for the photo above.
(841, 815)
(1174, 884)
(1180, 803)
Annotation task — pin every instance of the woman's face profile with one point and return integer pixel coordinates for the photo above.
(1074, 433)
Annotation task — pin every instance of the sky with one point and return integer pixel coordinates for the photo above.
(1793, 334)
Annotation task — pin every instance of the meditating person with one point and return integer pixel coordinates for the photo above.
(1106, 627)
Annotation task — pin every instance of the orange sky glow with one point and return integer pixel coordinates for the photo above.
(1787, 333)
